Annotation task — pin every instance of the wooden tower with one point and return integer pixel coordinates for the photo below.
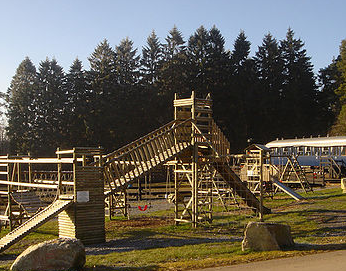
(85, 219)
(193, 170)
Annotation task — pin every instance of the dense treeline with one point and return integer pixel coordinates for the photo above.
(126, 94)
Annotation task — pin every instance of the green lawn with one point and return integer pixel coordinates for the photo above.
(318, 224)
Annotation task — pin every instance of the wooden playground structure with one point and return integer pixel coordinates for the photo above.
(79, 181)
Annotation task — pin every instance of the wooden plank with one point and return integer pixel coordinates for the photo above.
(51, 186)
(39, 161)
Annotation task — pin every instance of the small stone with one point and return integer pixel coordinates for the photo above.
(57, 254)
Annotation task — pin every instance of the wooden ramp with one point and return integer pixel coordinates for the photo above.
(34, 222)
(287, 190)
(238, 186)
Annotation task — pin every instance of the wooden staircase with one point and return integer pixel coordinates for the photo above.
(330, 165)
(139, 157)
(34, 222)
(220, 146)
(238, 186)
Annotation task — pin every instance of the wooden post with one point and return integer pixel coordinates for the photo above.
(59, 175)
(261, 186)
(194, 165)
(176, 181)
(29, 169)
(176, 194)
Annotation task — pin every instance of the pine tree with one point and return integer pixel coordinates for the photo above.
(127, 62)
(300, 90)
(341, 65)
(241, 51)
(50, 108)
(242, 95)
(269, 70)
(21, 111)
(197, 52)
(174, 43)
(339, 128)
(78, 103)
(152, 56)
(173, 75)
(218, 58)
(103, 78)
(330, 79)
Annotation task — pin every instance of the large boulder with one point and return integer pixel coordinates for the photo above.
(343, 185)
(57, 254)
(261, 236)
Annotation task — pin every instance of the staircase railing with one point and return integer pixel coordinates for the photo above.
(219, 140)
(138, 157)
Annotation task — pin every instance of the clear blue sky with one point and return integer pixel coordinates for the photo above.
(66, 29)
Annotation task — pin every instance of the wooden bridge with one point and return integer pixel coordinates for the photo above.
(82, 178)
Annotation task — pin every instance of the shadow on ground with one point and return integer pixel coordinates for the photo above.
(324, 247)
(148, 242)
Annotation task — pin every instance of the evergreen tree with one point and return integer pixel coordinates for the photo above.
(219, 58)
(299, 91)
(152, 56)
(242, 96)
(50, 108)
(174, 44)
(127, 63)
(77, 105)
(209, 62)
(197, 52)
(173, 75)
(21, 112)
(330, 79)
(339, 128)
(241, 51)
(218, 77)
(269, 70)
(103, 97)
(341, 65)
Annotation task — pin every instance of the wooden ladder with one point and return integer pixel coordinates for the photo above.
(34, 222)
(293, 166)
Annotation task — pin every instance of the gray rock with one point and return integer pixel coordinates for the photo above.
(261, 236)
(57, 254)
(343, 185)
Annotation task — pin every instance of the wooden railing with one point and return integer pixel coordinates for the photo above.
(219, 140)
(138, 157)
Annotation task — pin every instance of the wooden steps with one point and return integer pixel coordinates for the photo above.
(34, 222)
(238, 186)
(142, 168)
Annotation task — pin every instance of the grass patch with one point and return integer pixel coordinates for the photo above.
(318, 223)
